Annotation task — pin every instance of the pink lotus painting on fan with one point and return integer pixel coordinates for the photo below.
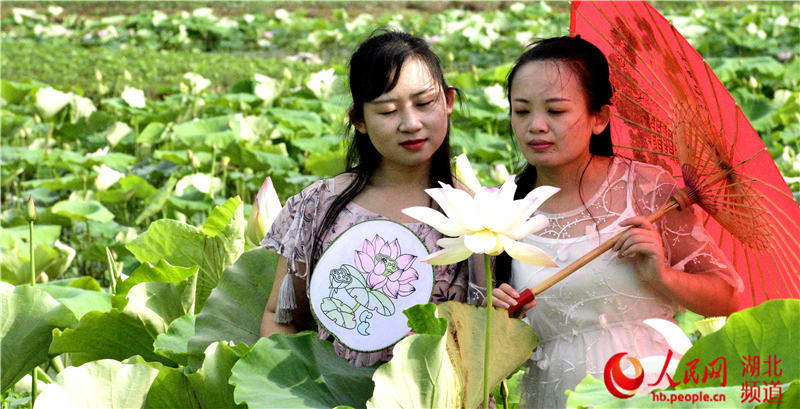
(386, 268)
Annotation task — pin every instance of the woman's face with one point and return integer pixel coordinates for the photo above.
(409, 123)
(550, 115)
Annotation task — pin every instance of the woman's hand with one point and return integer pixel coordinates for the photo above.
(505, 297)
(643, 243)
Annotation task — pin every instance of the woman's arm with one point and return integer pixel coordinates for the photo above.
(299, 314)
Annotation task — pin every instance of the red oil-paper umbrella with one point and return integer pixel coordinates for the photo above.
(669, 109)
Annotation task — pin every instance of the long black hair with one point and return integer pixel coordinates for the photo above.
(590, 66)
(374, 70)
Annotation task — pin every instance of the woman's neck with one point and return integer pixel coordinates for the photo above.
(578, 181)
(389, 175)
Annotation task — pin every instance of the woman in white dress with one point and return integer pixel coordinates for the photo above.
(560, 93)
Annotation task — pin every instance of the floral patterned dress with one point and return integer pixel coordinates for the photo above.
(292, 234)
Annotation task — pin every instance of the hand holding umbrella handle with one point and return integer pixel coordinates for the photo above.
(683, 198)
(524, 298)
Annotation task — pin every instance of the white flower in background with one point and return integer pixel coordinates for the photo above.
(116, 132)
(20, 14)
(489, 222)
(281, 14)
(133, 97)
(159, 17)
(321, 83)
(524, 37)
(516, 7)
(203, 12)
(81, 108)
(50, 101)
(265, 208)
(55, 10)
(106, 177)
(496, 96)
(499, 173)
(100, 152)
(245, 130)
(781, 21)
(249, 18)
(197, 82)
(266, 88)
(203, 182)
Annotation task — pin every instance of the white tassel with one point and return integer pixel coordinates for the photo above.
(286, 303)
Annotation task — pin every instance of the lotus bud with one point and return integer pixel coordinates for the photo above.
(127, 75)
(465, 174)
(499, 173)
(225, 161)
(193, 159)
(709, 325)
(265, 208)
(30, 215)
(42, 277)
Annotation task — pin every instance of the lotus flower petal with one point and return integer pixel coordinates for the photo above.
(483, 241)
(405, 260)
(380, 245)
(405, 289)
(449, 255)
(408, 276)
(391, 288)
(364, 262)
(394, 249)
(380, 268)
(526, 253)
(376, 281)
(674, 335)
(465, 174)
(537, 197)
(368, 248)
(434, 219)
(533, 225)
(465, 207)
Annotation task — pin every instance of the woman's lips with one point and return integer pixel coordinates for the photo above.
(539, 145)
(413, 144)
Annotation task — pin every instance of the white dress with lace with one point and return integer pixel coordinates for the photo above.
(597, 311)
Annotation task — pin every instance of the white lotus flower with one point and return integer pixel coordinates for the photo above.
(496, 96)
(489, 222)
(266, 88)
(499, 172)
(133, 97)
(265, 208)
(710, 325)
(197, 82)
(81, 108)
(50, 101)
(106, 177)
(321, 83)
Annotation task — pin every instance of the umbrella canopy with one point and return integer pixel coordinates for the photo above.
(671, 110)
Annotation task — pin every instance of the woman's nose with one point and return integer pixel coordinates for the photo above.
(409, 121)
(537, 124)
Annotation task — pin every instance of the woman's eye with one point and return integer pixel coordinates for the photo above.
(521, 112)
(387, 112)
(555, 111)
(422, 104)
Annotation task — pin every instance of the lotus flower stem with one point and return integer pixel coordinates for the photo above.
(31, 216)
(489, 285)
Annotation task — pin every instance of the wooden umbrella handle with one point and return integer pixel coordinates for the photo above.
(531, 293)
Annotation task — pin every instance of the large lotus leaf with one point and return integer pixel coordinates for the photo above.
(158, 304)
(161, 272)
(790, 398)
(210, 383)
(28, 316)
(770, 330)
(299, 371)
(51, 260)
(234, 309)
(184, 245)
(17, 236)
(422, 320)
(220, 217)
(83, 211)
(170, 389)
(214, 131)
(174, 343)
(78, 300)
(420, 375)
(158, 201)
(513, 342)
(115, 335)
(592, 393)
(105, 384)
